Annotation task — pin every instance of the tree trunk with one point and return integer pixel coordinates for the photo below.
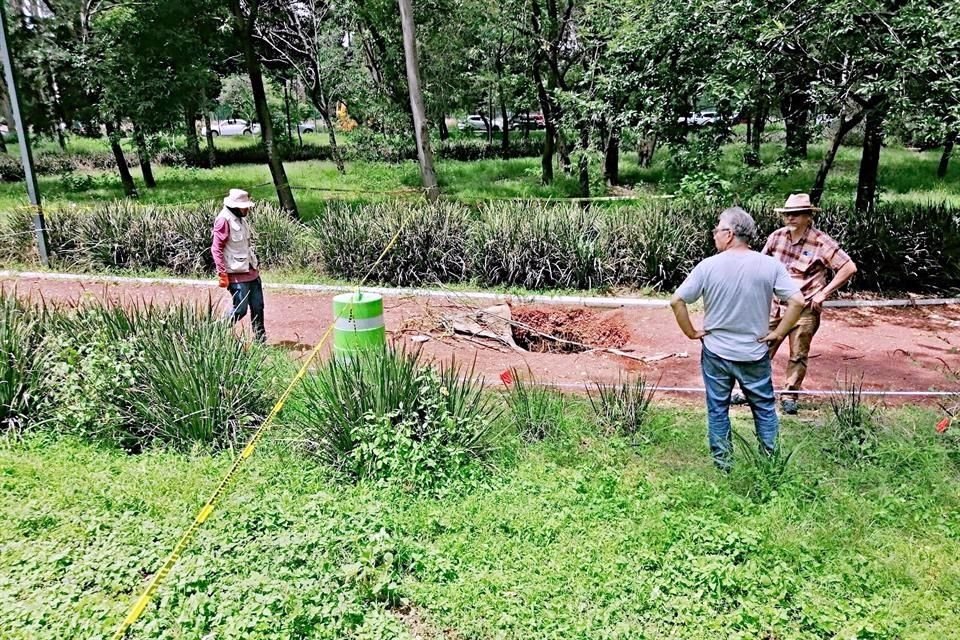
(424, 152)
(756, 121)
(563, 151)
(489, 118)
(143, 154)
(583, 162)
(947, 152)
(286, 108)
(550, 131)
(759, 118)
(505, 129)
(129, 188)
(611, 158)
(870, 159)
(243, 31)
(332, 135)
(646, 149)
(795, 106)
(211, 149)
(820, 181)
(5, 110)
(193, 143)
(444, 131)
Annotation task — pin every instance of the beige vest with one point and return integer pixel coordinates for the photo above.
(237, 253)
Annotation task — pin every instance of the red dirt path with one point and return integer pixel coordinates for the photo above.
(894, 349)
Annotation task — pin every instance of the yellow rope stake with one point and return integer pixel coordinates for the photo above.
(137, 610)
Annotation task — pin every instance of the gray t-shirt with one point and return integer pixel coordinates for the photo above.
(737, 288)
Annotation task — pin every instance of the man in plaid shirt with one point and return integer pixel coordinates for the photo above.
(808, 254)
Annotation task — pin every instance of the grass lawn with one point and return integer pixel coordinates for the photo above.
(313, 182)
(580, 536)
(904, 175)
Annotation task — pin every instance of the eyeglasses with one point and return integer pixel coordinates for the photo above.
(719, 229)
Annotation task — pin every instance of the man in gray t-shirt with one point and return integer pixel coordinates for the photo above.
(737, 286)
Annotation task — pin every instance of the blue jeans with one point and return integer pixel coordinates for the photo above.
(756, 381)
(248, 294)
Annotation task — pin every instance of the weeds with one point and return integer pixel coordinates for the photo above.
(623, 408)
(537, 412)
(854, 430)
(760, 474)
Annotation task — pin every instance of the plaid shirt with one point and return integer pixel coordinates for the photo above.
(808, 259)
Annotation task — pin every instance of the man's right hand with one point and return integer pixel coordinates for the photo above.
(698, 334)
(770, 338)
(224, 280)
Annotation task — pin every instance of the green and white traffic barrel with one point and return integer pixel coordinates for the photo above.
(359, 324)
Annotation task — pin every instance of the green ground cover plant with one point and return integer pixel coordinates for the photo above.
(390, 489)
(529, 245)
(578, 536)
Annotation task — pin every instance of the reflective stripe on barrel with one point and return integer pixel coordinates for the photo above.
(359, 325)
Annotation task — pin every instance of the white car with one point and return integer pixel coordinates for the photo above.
(700, 118)
(475, 122)
(232, 127)
(311, 126)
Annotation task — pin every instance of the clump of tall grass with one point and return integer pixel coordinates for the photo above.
(623, 408)
(539, 246)
(282, 242)
(21, 357)
(151, 375)
(536, 412)
(854, 429)
(761, 474)
(387, 415)
(430, 243)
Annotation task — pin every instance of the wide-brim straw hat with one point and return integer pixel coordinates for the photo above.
(238, 199)
(798, 203)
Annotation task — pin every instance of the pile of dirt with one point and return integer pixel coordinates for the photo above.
(577, 330)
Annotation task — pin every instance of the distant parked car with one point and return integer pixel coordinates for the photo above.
(700, 118)
(533, 120)
(475, 122)
(311, 126)
(232, 127)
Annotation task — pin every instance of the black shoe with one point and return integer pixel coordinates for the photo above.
(738, 398)
(789, 406)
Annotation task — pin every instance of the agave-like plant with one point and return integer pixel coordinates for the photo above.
(21, 343)
(624, 407)
(360, 414)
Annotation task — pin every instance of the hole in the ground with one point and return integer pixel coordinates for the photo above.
(572, 330)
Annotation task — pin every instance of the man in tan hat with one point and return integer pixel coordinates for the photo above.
(808, 254)
(236, 261)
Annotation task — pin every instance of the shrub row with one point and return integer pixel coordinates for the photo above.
(901, 247)
(48, 163)
(131, 377)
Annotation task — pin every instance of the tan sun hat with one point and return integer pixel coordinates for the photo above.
(798, 203)
(238, 199)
